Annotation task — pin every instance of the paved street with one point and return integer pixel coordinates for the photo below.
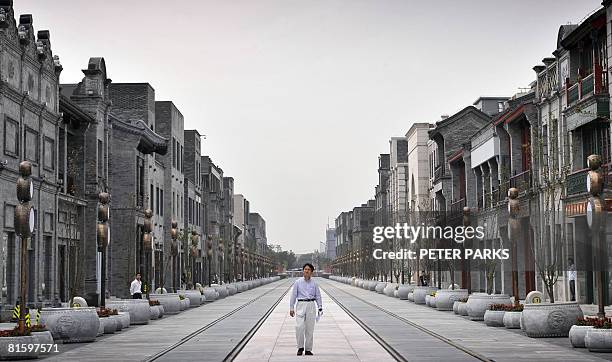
(358, 325)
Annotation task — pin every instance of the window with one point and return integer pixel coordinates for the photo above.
(31, 145)
(140, 179)
(48, 222)
(9, 216)
(152, 196)
(49, 153)
(157, 208)
(182, 161)
(11, 137)
(173, 204)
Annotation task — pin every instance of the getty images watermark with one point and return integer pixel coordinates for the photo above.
(457, 234)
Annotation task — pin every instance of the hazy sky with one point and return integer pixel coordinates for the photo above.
(298, 98)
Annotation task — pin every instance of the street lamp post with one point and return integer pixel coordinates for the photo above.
(147, 244)
(103, 236)
(596, 220)
(24, 227)
(514, 232)
(209, 253)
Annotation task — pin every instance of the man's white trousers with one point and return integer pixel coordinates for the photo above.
(305, 316)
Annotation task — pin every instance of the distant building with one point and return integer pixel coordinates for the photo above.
(330, 243)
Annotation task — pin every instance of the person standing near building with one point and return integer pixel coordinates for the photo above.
(304, 295)
(571, 276)
(136, 287)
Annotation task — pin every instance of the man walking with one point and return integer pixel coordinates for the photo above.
(305, 293)
(571, 276)
(136, 287)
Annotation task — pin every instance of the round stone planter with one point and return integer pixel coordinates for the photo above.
(170, 301)
(139, 309)
(597, 340)
(222, 290)
(403, 290)
(421, 292)
(161, 310)
(359, 283)
(550, 319)
(456, 307)
(118, 323)
(446, 298)
(124, 317)
(512, 320)
(353, 280)
(380, 287)
(389, 289)
(194, 296)
(577, 335)
(494, 318)
(411, 296)
(108, 325)
(231, 289)
(478, 303)
(70, 325)
(372, 285)
(427, 299)
(462, 309)
(210, 295)
(44, 337)
(154, 312)
(5, 342)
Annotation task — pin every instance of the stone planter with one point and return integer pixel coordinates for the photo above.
(210, 294)
(194, 296)
(389, 289)
(380, 287)
(43, 338)
(222, 290)
(372, 285)
(170, 301)
(403, 290)
(154, 312)
(124, 317)
(462, 309)
(161, 310)
(139, 309)
(550, 319)
(494, 318)
(231, 289)
(446, 298)
(108, 325)
(427, 299)
(597, 340)
(512, 320)
(421, 292)
(456, 307)
(478, 303)
(118, 323)
(577, 335)
(359, 283)
(411, 296)
(70, 325)
(20, 354)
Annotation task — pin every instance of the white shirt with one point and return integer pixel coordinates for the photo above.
(571, 273)
(135, 287)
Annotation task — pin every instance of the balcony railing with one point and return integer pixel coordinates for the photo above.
(438, 172)
(457, 206)
(594, 83)
(521, 181)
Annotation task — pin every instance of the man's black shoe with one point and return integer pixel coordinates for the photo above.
(300, 351)
(308, 353)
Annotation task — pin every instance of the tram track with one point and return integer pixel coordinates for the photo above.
(377, 337)
(244, 340)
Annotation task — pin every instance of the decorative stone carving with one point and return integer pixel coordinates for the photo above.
(550, 319)
(6, 341)
(534, 297)
(79, 302)
(70, 325)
